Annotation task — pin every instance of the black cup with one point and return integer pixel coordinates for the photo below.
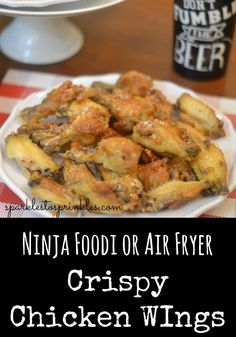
(203, 35)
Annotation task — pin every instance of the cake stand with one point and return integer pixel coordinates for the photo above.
(44, 35)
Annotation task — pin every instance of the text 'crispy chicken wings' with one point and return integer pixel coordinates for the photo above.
(119, 148)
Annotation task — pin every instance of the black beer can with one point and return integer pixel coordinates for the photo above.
(203, 35)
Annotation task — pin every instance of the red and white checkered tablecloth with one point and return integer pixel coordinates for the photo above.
(17, 84)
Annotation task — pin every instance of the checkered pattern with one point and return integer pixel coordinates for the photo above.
(18, 84)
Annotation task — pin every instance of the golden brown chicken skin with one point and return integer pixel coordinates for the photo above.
(128, 110)
(99, 196)
(147, 156)
(119, 148)
(40, 131)
(29, 155)
(210, 167)
(46, 189)
(127, 187)
(55, 100)
(86, 129)
(193, 132)
(135, 83)
(164, 108)
(202, 114)
(172, 194)
(76, 172)
(83, 106)
(180, 169)
(88, 123)
(118, 154)
(153, 174)
(165, 137)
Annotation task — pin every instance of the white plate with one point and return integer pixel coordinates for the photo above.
(32, 3)
(13, 177)
(60, 9)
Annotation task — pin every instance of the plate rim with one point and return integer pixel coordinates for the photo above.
(23, 195)
(31, 4)
(46, 12)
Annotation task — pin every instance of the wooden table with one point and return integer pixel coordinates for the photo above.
(136, 34)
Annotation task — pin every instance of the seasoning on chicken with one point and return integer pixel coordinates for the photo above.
(118, 154)
(56, 99)
(202, 114)
(164, 137)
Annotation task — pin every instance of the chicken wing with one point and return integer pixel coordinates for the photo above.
(202, 114)
(128, 189)
(97, 85)
(164, 108)
(138, 84)
(29, 155)
(153, 174)
(126, 109)
(40, 131)
(47, 189)
(165, 137)
(180, 169)
(76, 172)
(118, 154)
(86, 127)
(56, 99)
(147, 156)
(193, 132)
(172, 194)
(210, 167)
(84, 106)
(135, 83)
(99, 196)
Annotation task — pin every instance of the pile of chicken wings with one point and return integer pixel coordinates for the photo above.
(119, 148)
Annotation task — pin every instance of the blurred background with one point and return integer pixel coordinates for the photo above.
(135, 34)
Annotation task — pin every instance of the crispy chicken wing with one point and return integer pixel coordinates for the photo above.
(56, 99)
(76, 172)
(118, 154)
(128, 188)
(100, 195)
(28, 154)
(157, 95)
(172, 194)
(46, 189)
(164, 108)
(202, 114)
(40, 131)
(166, 138)
(135, 83)
(180, 169)
(84, 106)
(87, 125)
(193, 132)
(153, 174)
(126, 109)
(97, 85)
(210, 167)
(186, 119)
(109, 133)
(147, 156)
